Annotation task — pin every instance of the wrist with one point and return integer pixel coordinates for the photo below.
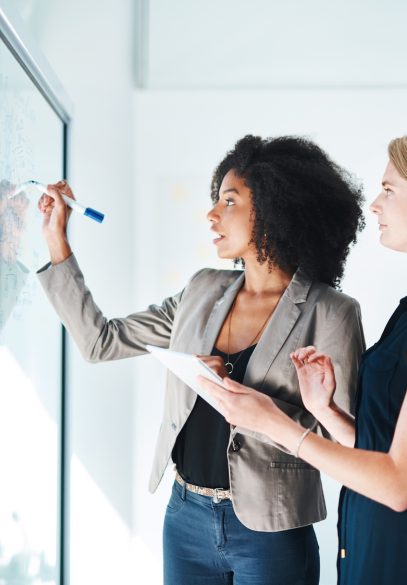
(300, 441)
(324, 411)
(59, 248)
(287, 434)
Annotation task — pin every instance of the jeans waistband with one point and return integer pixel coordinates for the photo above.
(217, 494)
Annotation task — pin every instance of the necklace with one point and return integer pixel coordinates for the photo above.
(229, 366)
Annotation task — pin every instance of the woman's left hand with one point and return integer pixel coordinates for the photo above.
(242, 406)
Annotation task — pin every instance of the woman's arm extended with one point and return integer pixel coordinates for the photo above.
(98, 338)
(379, 476)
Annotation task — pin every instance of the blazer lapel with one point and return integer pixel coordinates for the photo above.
(218, 315)
(277, 331)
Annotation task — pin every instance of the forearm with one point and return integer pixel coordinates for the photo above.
(298, 414)
(98, 338)
(338, 423)
(373, 474)
(59, 249)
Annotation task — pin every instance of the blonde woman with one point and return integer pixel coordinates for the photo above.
(370, 458)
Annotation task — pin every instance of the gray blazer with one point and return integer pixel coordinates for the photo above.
(271, 489)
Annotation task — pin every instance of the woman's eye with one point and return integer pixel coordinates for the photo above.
(229, 202)
(388, 192)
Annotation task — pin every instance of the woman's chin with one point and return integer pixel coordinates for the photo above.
(393, 244)
(224, 255)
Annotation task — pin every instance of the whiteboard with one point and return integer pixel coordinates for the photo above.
(32, 146)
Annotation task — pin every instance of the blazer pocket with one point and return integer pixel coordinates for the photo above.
(300, 497)
(290, 465)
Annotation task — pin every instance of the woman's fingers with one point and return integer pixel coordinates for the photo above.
(235, 387)
(330, 374)
(45, 203)
(225, 392)
(240, 405)
(318, 357)
(211, 359)
(213, 389)
(314, 362)
(304, 353)
(298, 364)
(216, 363)
(228, 399)
(308, 355)
(66, 189)
(55, 192)
(53, 197)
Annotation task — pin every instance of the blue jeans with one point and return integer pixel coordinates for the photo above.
(206, 544)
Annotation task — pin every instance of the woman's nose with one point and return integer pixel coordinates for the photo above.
(375, 207)
(212, 214)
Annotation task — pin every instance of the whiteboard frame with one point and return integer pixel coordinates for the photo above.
(17, 38)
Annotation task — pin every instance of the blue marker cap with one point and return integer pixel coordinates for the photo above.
(93, 214)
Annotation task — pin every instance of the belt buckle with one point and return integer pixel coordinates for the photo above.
(219, 495)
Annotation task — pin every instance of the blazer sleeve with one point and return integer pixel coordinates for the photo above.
(343, 340)
(98, 338)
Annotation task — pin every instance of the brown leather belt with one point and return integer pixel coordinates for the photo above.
(217, 494)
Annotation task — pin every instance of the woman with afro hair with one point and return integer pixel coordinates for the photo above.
(242, 506)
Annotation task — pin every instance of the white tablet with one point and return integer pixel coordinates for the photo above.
(187, 367)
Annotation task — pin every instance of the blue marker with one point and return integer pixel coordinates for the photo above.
(75, 205)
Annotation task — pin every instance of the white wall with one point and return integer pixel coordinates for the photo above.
(179, 138)
(234, 44)
(146, 158)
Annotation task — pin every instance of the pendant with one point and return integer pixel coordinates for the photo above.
(229, 367)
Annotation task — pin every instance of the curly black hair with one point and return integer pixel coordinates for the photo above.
(307, 209)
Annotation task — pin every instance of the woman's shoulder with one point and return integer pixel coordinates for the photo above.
(303, 288)
(211, 284)
(334, 301)
(212, 276)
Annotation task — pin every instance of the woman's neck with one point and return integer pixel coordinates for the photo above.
(260, 281)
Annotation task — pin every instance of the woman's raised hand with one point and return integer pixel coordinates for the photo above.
(54, 209)
(316, 378)
(56, 215)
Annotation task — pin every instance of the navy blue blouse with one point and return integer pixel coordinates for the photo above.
(372, 537)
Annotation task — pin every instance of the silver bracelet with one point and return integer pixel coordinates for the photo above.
(301, 440)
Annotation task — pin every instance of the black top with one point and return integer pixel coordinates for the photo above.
(373, 535)
(200, 452)
(402, 308)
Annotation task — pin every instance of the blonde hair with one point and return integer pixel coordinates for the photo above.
(397, 150)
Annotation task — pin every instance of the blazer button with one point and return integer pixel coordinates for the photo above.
(173, 426)
(236, 446)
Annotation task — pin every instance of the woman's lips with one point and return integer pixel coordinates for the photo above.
(218, 239)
